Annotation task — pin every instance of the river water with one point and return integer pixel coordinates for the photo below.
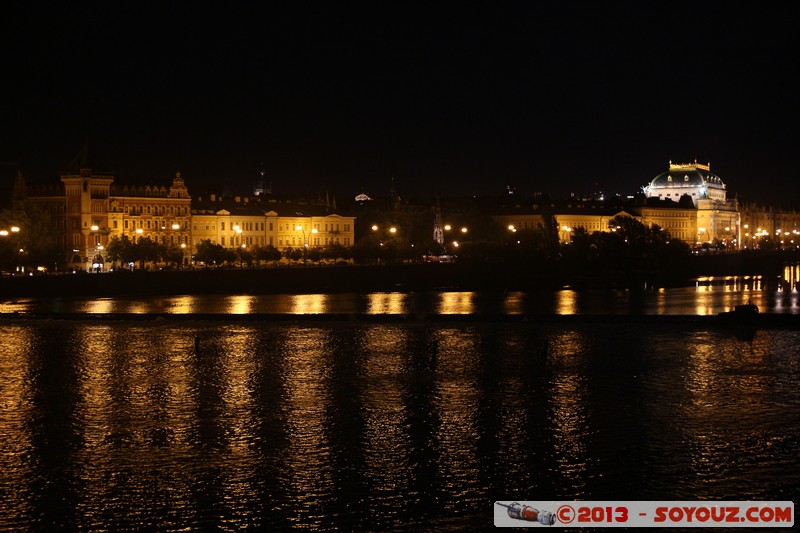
(220, 424)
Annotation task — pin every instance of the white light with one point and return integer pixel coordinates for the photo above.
(95, 228)
(176, 226)
(14, 229)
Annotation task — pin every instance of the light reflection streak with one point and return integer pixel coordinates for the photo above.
(456, 401)
(386, 445)
(390, 303)
(566, 302)
(239, 304)
(456, 303)
(307, 462)
(16, 399)
(304, 304)
(568, 401)
(722, 396)
(240, 410)
(514, 303)
(183, 304)
(100, 306)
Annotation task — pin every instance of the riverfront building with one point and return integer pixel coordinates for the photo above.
(86, 210)
(687, 200)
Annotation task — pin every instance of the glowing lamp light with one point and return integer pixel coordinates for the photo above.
(139, 231)
(511, 228)
(463, 230)
(14, 229)
(95, 228)
(3, 233)
(447, 227)
(176, 226)
(374, 227)
(298, 227)
(392, 230)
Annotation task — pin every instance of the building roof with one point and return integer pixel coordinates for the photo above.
(691, 175)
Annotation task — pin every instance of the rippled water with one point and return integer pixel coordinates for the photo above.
(371, 427)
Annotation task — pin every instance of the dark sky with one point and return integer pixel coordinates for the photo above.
(451, 98)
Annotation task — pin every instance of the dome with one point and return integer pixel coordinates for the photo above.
(691, 175)
(692, 179)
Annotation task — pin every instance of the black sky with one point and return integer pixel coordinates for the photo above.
(444, 97)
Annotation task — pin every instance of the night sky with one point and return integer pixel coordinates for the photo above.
(446, 98)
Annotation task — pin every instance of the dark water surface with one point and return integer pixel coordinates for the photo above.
(359, 426)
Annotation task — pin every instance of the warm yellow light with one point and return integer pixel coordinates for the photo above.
(455, 243)
(244, 246)
(176, 226)
(746, 226)
(3, 233)
(95, 228)
(392, 230)
(447, 227)
(511, 228)
(14, 229)
(314, 230)
(183, 245)
(139, 231)
(99, 247)
(298, 227)
(236, 227)
(374, 227)
(463, 230)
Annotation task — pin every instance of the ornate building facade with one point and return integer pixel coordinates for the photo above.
(88, 210)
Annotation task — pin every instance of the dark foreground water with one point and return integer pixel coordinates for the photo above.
(360, 426)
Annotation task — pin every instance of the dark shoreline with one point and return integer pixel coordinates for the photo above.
(379, 278)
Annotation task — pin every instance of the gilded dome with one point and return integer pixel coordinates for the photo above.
(689, 175)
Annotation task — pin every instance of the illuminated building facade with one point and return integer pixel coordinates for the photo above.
(247, 222)
(88, 210)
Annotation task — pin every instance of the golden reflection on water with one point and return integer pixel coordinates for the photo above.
(386, 445)
(16, 414)
(100, 306)
(566, 302)
(568, 401)
(306, 370)
(304, 304)
(456, 402)
(390, 303)
(456, 303)
(725, 396)
(513, 303)
(183, 304)
(239, 304)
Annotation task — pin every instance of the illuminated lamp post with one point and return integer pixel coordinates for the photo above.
(392, 233)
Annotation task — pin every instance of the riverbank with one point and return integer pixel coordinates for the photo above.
(369, 278)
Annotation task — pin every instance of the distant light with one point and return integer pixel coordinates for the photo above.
(374, 227)
(298, 227)
(14, 229)
(463, 230)
(447, 227)
(176, 226)
(95, 228)
(3, 233)
(392, 230)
